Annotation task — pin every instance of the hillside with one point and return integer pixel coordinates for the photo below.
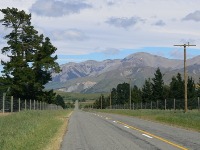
(98, 77)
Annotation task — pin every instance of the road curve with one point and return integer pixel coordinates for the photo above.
(99, 131)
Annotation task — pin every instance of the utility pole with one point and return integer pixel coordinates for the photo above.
(185, 72)
(130, 91)
(110, 99)
(101, 101)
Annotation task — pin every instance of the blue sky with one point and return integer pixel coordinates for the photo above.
(112, 29)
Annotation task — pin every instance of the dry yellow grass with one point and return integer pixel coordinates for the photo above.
(5, 114)
(57, 140)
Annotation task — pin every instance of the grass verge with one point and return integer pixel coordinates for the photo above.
(189, 120)
(31, 129)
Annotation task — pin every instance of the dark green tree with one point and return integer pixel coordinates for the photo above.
(136, 94)
(191, 88)
(176, 89)
(158, 86)
(99, 102)
(166, 91)
(60, 101)
(123, 92)
(147, 91)
(26, 80)
(114, 96)
(198, 89)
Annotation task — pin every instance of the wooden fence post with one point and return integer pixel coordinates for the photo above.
(19, 104)
(25, 104)
(174, 104)
(34, 104)
(157, 104)
(4, 98)
(11, 105)
(30, 105)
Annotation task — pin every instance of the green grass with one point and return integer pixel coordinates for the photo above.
(29, 129)
(189, 120)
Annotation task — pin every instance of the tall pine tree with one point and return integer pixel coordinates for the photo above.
(158, 86)
(177, 87)
(147, 91)
(25, 45)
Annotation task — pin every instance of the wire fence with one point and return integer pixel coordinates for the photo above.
(11, 104)
(167, 104)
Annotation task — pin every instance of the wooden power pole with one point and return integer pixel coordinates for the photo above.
(185, 72)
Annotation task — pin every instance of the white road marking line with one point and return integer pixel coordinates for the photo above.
(147, 136)
(126, 127)
(114, 121)
(107, 118)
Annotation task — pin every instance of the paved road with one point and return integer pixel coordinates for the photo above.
(98, 131)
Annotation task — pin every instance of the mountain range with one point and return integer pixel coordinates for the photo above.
(98, 77)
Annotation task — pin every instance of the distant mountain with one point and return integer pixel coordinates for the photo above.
(93, 76)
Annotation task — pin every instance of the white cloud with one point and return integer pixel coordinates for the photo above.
(159, 23)
(78, 33)
(111, 51)
(55, 8)
(20, 4)
(69, 35)
(124, 22)
(195, 16)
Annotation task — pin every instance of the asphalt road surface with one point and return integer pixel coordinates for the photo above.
(98, 131)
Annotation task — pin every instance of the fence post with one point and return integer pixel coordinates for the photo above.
(19, 104)
(198, 105)
(165, 104)
(133, 106)
(157, 104)
(141, 105)
(174, 104)
(34, 104)
(40, 105)
(25, 104)
(30, 104)
(151, 104)
(4, 97)
(11, 105)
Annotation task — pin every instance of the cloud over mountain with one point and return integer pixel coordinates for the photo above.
(111, 51)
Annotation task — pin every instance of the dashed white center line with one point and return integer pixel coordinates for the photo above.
(114, 121)
(126, 127)
(147, 136)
